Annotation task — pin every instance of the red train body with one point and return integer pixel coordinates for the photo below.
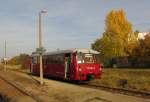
(74, 64)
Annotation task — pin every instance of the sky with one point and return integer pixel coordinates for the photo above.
(68, 24)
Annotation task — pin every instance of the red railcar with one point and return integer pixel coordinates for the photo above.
(73, 64)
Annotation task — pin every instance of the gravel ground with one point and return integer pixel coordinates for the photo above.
(57, 91)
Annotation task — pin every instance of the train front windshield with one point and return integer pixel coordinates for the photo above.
(85, 58)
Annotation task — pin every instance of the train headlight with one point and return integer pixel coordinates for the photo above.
(80, 69)
(100, 69)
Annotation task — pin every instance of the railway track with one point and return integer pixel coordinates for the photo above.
(119, 90)
(110, 89)
(22, 90)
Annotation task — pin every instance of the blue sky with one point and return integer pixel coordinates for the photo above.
(69, 23)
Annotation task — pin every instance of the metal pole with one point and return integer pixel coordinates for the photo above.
(5, 58)
(40, 29)
(40, 46)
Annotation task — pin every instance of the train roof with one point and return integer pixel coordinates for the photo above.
(78, 50)
(72, 51)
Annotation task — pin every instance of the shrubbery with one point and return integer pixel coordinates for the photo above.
(22, 59)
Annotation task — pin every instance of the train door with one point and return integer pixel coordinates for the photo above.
(31, 65)
(67, 65)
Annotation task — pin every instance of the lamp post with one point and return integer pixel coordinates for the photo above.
(41, 50)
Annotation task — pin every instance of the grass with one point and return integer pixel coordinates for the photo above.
(134, 79)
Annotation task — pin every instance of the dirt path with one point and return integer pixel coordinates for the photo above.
(56, 91)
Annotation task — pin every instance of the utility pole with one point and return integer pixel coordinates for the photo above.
(5, 57)
(41, 49)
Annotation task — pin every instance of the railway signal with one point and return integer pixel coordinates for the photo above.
(40, 50)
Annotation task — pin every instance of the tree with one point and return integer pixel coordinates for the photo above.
(141, 53)
(133, 43)
(104, 45)
(14, 60)
(22, 59)
(116, 38)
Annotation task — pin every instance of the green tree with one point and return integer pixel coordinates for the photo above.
(116, 38)
(104, 45)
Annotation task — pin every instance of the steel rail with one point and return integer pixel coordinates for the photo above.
(136, 93)
(21, 89)
(142, 94)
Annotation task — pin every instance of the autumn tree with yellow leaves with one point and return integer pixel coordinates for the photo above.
(117, 36)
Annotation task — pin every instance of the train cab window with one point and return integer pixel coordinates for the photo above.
(89, 58)
(85, 58)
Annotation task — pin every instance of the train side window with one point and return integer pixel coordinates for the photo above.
(44, 60)
(49, 59)
(59, 59)
(34, 60)
(54, 59)
(80, 58)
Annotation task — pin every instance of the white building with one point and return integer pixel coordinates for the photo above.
(142, 35)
